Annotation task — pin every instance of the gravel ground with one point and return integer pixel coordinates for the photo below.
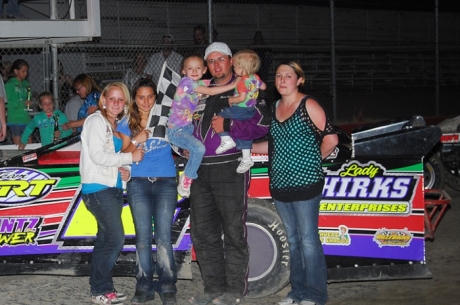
(443, 260)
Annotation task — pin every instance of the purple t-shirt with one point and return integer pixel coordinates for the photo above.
(184, 103)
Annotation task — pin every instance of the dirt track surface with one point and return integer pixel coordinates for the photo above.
(443, 260)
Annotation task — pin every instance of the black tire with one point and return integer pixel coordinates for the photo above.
(433, 172)
(269, 252)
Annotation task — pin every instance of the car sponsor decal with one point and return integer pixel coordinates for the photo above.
(22, 186)
(366, 188)
(29, 158)
(339, 237)
(19, 230)
(450, 138)
(395, 238)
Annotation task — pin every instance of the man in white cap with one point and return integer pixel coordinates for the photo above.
(219, 194)
(172, 59)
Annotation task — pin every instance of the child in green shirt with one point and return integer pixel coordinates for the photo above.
(45, 121)
(18, 93)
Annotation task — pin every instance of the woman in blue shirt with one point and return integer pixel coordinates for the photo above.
(152, 192)
(87, 89)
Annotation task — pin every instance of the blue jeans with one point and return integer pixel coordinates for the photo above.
(12, 8)
(158, 200)
(308, 264)
(106, 206)
(238, 113)
(183, 137)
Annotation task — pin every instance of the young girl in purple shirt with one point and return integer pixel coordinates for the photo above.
(180, 127)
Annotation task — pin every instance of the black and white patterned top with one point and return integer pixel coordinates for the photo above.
(295, 165)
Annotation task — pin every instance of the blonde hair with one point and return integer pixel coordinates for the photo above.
(104, 93)
(297, 70)
(45, 94)
(248, 60)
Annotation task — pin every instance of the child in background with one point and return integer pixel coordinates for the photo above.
(45, 121)
(180, 127)
(245, 65)
(18, 95)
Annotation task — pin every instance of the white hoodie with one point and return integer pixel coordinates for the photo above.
(99, 162)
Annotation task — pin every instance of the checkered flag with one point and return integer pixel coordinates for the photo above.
(159, 113)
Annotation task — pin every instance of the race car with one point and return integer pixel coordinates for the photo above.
(371, 221)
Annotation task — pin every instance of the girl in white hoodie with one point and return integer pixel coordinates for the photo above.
(101, 173)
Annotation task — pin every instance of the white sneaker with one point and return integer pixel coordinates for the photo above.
(225, 145)
(245, 165)
(184, 186)
(287, 301)
(106, 299)
(307, 303)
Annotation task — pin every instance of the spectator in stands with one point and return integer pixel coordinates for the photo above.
(12, 9)
(172, 59)
(45, 122)
(18, 95)
(199, 36)
(264, 53)
(87, 89)
(65, 85)
(201, 40)
(136, 71)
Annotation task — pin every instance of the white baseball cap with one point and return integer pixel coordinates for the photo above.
(217, 47)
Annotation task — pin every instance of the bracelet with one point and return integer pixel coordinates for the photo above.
(134, 142)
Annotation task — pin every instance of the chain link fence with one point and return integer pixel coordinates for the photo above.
(364, 60)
